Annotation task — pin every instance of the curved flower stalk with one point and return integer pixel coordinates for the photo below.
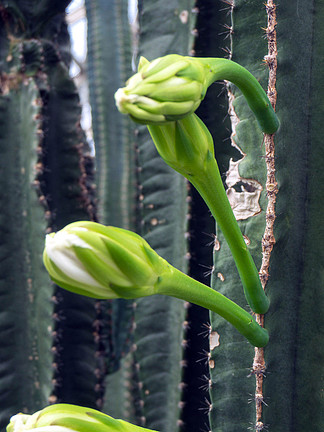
(187, 146)
(172, 87)
(69, 418)
(107, 262)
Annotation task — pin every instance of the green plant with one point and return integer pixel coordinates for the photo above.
(108, 262)
(129, 360)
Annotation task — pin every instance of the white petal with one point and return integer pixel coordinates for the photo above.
(20, 424)
(59, 250)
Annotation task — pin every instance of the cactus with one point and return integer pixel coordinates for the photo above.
(163, 222)
(44, 170)
(25, 291)
(127, 358)
(268, 407)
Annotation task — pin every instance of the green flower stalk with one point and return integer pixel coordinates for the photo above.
(187, 146)
(107, 262)
(170, 88)
(69, 418)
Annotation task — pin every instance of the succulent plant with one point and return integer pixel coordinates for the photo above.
(145, 361)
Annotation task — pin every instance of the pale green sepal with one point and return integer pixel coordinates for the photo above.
(164, 67)
(168, 109)
(176, 90)
(142, 62)
(138, 270)
(140, 115)
(103, 294)
(105, 271)
(184, 144)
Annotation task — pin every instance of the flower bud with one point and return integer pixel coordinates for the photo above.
(69, 418)
(102, 261)
(167, 89)
(185, 145)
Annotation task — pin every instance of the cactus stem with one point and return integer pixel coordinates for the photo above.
(179, 285)
(211, 189)
(225, 69)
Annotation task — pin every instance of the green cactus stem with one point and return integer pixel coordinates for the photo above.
(25, 345)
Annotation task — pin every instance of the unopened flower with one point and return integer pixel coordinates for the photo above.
(107, 262)
(185, 145)
(69, 418)
(172, 87)
(102, 261)
(166, 89)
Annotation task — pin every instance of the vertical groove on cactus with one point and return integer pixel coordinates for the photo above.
(125, 401)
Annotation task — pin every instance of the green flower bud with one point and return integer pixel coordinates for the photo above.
(167, 89)
(102, 262)
(69, 418)
(186, 145)
(107, 262)
(172, 87)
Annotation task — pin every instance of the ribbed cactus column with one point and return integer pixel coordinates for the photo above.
(25, 291)
(64, 180)
(45, 181)
(294, 382)
(244, 172)
(290, 397)
(109, 64)
(165, 28)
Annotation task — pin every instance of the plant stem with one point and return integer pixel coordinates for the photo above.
(224, 69)
(209, 185)
(179, 285)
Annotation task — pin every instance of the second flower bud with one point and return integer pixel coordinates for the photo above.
(102, 261)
